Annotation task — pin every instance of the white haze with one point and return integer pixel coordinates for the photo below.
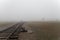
(29, 10)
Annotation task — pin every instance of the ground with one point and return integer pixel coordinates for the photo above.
(42, 31)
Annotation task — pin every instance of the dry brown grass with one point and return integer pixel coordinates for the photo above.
(43, 31)
(6, 23)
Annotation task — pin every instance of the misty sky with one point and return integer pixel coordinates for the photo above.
(28, 10)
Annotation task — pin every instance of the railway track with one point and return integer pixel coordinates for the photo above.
(11, 32)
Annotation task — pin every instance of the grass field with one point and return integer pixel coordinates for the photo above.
(6, 23)
(42, 31)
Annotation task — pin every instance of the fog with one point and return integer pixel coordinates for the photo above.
(29, 10)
